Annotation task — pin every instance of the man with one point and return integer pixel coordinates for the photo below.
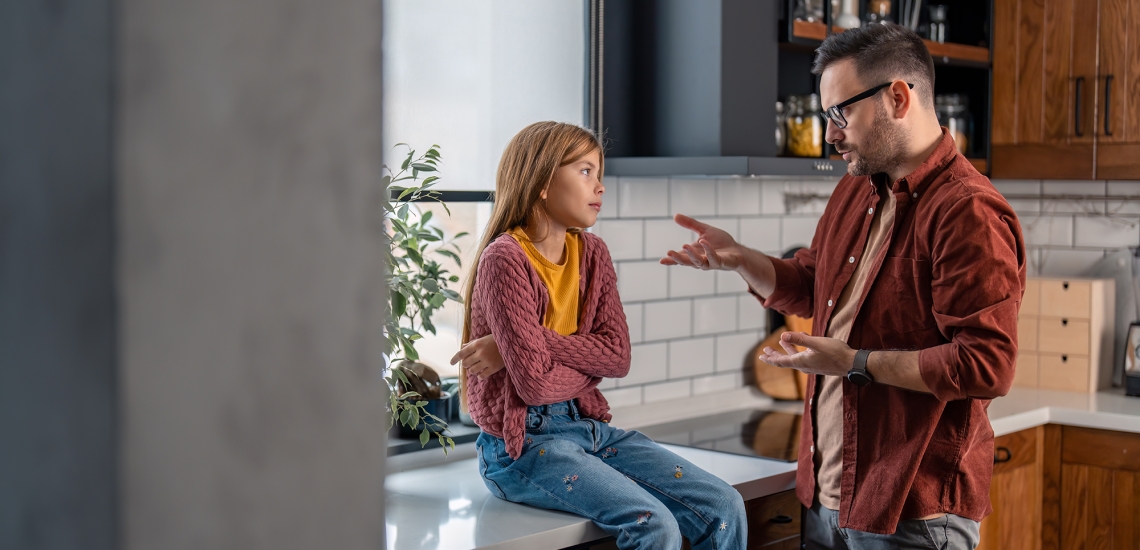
(914, 279)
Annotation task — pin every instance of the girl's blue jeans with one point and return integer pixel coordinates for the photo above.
(632, 488)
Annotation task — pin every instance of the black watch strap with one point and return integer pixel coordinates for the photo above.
(858, 374)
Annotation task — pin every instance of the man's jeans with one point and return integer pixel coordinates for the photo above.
(631, 487)
(949, 532)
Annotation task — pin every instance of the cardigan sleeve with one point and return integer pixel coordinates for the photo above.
(509, 304)
(604, 350)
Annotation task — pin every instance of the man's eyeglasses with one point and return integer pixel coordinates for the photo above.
(835, 112)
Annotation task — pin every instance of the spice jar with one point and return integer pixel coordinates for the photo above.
(953, 113)
(805, 127)
(878, 11)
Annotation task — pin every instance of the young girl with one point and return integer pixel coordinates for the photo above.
(544, 325)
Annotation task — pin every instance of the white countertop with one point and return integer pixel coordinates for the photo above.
(446, 506)
(449, 507)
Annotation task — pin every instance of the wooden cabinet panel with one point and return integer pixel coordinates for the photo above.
(1105, 448)
(1004, 73)
(1031, 300)
(774, 519)
(1059, 82)
(1014, 492)
(1059, 335)
(1031, 99)
(1025, 375)
(1083, 72)
(1026, 333)
(1065, 298)
(1063, 372)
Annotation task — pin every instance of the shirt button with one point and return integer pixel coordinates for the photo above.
(830, 303)
(812, 449)
(915, 195)
(810, 399)
(851, 260)
(870, 210)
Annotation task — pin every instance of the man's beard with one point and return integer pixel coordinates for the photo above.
(884, 149)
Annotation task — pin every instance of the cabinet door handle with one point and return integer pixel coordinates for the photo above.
(1077, 107)
(1002, 454)
(1108, 105)
(781, 519)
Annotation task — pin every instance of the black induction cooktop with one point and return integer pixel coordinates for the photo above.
(768, 434)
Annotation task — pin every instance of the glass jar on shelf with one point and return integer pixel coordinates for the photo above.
(805, 127)
(781, 130)
(953, 112)
(878, 11)
(809, 10)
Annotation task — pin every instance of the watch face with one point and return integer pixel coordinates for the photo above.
(859, 378)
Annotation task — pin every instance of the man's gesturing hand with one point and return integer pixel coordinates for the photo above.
(823, 355)
(480, 357)
(713, 249)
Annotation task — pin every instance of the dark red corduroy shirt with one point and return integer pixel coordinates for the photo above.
(948, 283)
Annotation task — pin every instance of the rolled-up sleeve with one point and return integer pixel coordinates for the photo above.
(978, 282)
(795, 285)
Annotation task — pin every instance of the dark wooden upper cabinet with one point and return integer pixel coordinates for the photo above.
(1118, 133)
(1057, 113)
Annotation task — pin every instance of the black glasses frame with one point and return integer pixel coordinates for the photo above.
(835, 112)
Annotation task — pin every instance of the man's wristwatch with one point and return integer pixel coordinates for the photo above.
(858, 374)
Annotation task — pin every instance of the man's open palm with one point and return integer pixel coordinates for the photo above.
(713, 249)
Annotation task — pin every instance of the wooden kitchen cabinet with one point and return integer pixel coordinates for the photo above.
(1065, 332)
(1064, 487)
(1066, 89)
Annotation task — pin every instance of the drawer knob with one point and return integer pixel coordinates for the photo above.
(781, 519)
(1064, 322)
(1002, 454)
(1064, 358)
(1065, 285)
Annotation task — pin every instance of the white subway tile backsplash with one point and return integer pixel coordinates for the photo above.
(655, 393)
(717, 383)
(648, 280)
(1107, 232)
(1088, 189)
(732, 351)
(662, 236)
(1017, 187)
(1054, 262)
(672, 319)
(634, 314)
(772, 197)
(622, 237)
(610, 198)
(797, 231)
(692, 197)
(1047, 230)
(730, 282)
(607, 384)
(752, 313)
(737, 197)
(643, 198)
(761, 234)
(714, 315)
(1124, 189)
(624, 397)
(691, 357)
(688, 281)
(728, 225)
(648, 363)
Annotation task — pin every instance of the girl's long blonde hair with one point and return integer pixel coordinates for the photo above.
(527, 167)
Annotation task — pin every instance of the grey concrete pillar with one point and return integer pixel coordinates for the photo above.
(57, 318)
(250, 273)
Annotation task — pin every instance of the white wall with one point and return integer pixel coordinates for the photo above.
(469, 75)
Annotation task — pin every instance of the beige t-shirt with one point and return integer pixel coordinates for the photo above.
(828, 456)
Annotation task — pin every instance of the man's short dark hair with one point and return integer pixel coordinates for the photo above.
(880, 53)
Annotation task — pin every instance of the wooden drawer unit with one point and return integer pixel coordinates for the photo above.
(774, 521)
(1065, 334)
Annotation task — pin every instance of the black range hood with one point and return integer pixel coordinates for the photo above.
(688, 88)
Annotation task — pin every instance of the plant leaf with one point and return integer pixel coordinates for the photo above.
(424, 436)
(423, 167)
(431, 285)
(399, 304)
(451, 255)
(452, 294)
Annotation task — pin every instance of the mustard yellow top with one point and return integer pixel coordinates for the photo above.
(562, 281)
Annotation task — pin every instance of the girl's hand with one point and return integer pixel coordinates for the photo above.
(480, 357)
(714, 248)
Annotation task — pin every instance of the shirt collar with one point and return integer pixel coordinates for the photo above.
(916, 182)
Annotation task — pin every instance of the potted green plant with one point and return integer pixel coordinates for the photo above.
(417, 288)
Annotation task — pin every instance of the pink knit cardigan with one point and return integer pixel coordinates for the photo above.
(542, 366)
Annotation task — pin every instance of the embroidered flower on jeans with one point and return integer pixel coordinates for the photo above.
(569, 481)
(678, 473)
(610, 452)
(541, 452)
(723, 525)
(642, 518)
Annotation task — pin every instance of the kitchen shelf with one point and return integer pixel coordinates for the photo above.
(944, 53)
(980, 165)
